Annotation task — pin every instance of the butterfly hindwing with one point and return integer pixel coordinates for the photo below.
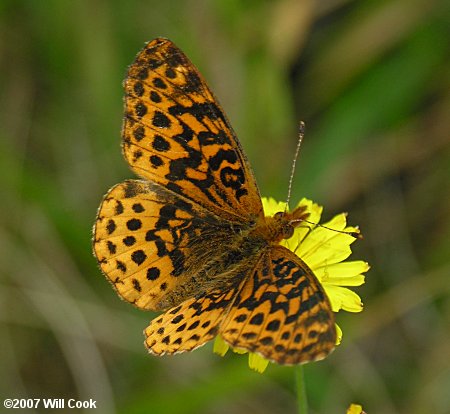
(151, 243)
(189, 325)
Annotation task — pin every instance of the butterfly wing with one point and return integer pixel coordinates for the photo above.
(152, 244)
(281, 312)
(189, 325)
(176, 134)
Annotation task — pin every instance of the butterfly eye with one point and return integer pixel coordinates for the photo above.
(278, 215)
(288, 231)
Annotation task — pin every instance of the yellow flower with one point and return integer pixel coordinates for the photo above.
(324, 251)
(355, 409)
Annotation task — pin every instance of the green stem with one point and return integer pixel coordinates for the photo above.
(302, 401)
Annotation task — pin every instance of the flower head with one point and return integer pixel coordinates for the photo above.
(324, 248)
(355, 409)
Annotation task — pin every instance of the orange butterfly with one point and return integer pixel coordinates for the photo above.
(191, 239)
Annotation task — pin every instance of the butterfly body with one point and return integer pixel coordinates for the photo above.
(190, 237)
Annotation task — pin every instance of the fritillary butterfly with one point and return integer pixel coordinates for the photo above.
(191, 239)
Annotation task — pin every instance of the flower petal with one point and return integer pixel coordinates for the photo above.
(220, 346)
(301, 232)
(343, 298)
(271, 206)
(338, 334)
(257, 362)
(343, 274)
(320, 237)
(322, 247)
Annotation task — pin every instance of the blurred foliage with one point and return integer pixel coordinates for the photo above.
(371, 81)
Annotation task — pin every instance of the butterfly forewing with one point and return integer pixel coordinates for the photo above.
(281, 312)
(176, 134)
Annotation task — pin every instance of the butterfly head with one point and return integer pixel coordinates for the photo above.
(283, 223)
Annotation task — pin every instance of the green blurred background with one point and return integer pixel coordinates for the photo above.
(371, 81)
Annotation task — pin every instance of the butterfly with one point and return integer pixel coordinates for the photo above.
(190, 237)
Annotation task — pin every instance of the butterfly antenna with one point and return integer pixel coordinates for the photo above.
(356, 234)
(301, 134)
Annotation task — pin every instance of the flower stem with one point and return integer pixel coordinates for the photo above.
(302, 401)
